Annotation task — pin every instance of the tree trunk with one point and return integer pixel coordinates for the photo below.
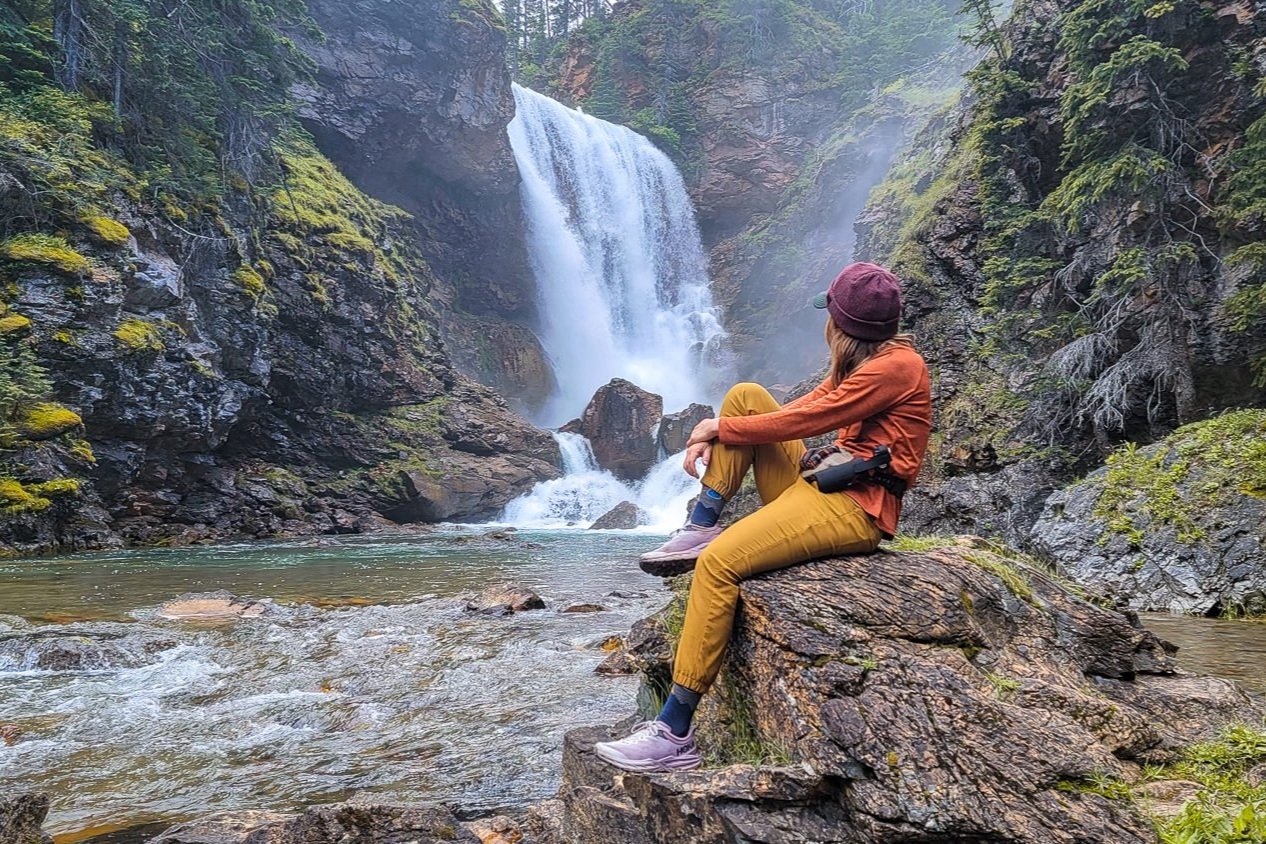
(68, 33)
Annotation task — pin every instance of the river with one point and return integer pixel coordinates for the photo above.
(367, 676)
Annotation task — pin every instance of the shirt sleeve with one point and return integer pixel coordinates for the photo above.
(876, 386)
(816, 393)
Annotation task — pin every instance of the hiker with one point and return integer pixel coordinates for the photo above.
(878, 396)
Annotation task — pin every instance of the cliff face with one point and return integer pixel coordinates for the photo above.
(1081, 246)
(411, 101)
(781, 116)
(263, 362)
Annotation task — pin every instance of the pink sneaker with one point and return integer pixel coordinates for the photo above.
(678, 554)
(652, 748)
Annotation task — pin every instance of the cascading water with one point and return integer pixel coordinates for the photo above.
(620, 268)
(586, 492)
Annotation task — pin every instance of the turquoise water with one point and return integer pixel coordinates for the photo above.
(365, 676)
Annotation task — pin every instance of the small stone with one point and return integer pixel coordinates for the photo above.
(617, 664)
(210, 606)
(498, 830)
(10, 734)
(1256, 775)
(504, 600)
(1165, 798)
(585, 608)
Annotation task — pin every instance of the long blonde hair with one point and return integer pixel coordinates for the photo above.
(849, 352)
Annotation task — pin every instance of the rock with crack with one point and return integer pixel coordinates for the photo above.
(957, 694)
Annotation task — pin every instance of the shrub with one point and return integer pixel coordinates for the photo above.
(47, 250)
(46, 420)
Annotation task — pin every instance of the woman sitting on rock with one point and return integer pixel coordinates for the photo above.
(876, 394)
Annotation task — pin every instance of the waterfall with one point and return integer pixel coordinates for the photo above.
(620, 269)
(586, 492)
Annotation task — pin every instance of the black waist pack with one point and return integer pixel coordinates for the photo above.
(835, 475)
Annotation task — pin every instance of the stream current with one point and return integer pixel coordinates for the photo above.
(365, 676)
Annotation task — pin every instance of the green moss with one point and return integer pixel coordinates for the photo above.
(249, 280)
(1003, 686)
(15, 499)
(732, 737)
(56, 488)
(107, 231)
(45, 250)
(1011, 576)
(82, 451)
(45, 420)
(1141, 488)
(14, 323)
(919, 544)
(138, 335)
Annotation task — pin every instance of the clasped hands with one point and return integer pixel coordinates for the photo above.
(699, 446)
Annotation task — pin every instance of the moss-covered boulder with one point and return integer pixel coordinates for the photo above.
(1178, 525)
(951, 692)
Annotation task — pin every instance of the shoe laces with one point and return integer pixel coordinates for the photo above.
(644, 731)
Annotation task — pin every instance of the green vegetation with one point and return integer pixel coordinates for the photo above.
(16, 499)
(107, 231)
(1003, 686)
(14, 323)
(1228, 809)
(46, 420)
(249, 280)
(47, 250)
(1144, 488)
(733, 738)
(139, 335)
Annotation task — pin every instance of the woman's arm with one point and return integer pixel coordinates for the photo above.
(876, 386)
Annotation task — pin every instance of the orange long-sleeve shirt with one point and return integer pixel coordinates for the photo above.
(886, 401)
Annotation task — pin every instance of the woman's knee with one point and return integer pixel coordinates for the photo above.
(740, 397)
(711, 568)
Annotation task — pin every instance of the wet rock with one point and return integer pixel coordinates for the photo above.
(624, 516)
(339, 823)
(583, 608)
(674, 429)
(618, 422)
(617, 664)
(220, 605)
(1256, 775)
(22, 818)
(937, 696)
(505, 600)
(502, 535)
(10, 734)
(91, 650)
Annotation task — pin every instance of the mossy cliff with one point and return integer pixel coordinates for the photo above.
(949, 691)
(1080, 243)
(218, 351)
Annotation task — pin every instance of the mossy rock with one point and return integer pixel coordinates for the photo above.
(249, 280)
(46, 420)
(108, 232)
(14, 324)
(1177, 525)
(16, 499)
(138, 335)
(46, 250)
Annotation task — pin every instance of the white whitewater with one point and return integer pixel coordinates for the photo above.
(586, 492)
(620, 269)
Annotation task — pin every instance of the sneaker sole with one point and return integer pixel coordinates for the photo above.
(684, 762)
(670, 567)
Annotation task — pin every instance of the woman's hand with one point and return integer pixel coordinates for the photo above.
(705, 432)
(695, 453)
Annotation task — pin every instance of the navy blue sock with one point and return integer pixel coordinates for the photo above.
(679, 710)
(708, 507)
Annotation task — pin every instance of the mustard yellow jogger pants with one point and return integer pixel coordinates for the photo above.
(797, 523)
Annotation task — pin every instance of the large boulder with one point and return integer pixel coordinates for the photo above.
(674, 429)
(953, 694)
(1179, 525)
(618, 422)
(624, 516)
(22, 818)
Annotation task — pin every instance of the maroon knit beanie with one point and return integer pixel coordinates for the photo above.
(864, 301)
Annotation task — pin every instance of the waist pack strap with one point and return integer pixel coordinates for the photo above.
(889, 481)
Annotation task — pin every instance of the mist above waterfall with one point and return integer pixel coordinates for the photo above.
(621, 273)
